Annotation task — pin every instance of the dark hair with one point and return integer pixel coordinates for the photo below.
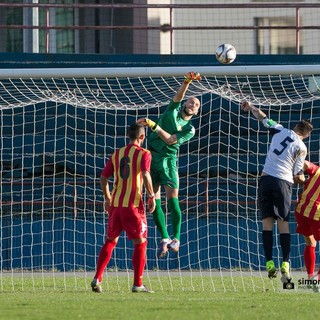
(304, 127)
(135, 131)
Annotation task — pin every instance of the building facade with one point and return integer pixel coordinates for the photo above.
(150, 27)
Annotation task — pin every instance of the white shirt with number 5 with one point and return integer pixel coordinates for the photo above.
(286, 153)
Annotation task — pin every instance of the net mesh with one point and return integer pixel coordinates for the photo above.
(146, 92)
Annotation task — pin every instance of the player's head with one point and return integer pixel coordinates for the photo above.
(303, 128)
(137, 132)
(191, 106)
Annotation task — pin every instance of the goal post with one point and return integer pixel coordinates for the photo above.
(58, 128)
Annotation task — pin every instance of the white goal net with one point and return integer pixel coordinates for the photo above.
(58, 127)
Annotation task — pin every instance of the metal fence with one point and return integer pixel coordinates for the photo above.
(140, 28)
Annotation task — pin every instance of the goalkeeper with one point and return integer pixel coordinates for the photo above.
(171, 130)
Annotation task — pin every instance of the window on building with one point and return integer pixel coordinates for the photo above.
(57, 40)
(12, 38)
(30, 28)
(276, 41)
(24, 36)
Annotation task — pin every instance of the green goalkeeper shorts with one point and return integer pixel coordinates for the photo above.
(164, 171)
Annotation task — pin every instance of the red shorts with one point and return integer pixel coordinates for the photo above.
(131, 220)
(307, 226)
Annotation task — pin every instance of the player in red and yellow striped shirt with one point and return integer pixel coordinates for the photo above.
(126, 164)
(130, 167)
(307, 215)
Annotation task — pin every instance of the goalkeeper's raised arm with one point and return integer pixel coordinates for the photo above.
(188, 110)
(189, 77)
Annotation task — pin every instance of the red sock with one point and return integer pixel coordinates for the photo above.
(309, 259)
(104, 258)
(139, 261)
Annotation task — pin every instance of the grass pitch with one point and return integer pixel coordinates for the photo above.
(117, 302)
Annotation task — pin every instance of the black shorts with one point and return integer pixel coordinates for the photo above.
(274, 197)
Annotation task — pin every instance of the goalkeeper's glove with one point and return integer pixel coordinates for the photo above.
(192, 76)
(151, 124)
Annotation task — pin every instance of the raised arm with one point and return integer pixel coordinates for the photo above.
(185, 85)
(164, 135)
(258, 114)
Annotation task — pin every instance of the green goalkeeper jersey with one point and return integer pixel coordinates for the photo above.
(172, 122)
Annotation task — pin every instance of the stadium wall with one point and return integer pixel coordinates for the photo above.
(68, 244)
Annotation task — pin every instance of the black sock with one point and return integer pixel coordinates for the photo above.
(285, 246)
(267, 240)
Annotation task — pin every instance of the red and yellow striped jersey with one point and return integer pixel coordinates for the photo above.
(309, 200)
(127, 165)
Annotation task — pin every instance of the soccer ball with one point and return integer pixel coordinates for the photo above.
(226, 53)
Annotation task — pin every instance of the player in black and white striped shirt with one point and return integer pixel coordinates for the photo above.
(283, 167)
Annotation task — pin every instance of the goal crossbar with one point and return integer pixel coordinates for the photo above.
(158, 71)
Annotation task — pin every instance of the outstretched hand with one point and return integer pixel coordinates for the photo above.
(192, 76)
(149, 123)
(246, 106)
(143, 121)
